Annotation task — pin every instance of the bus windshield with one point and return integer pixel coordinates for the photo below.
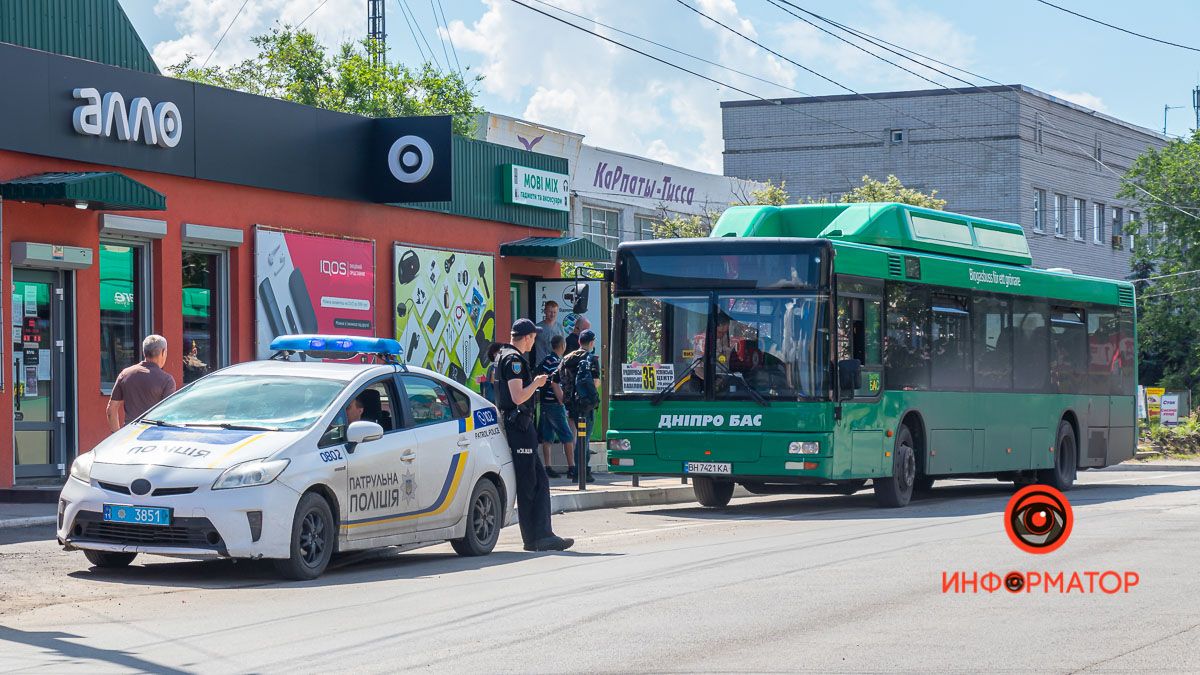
(764, 346)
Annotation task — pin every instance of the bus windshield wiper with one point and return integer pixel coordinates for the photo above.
(662, 395)
(754, 393)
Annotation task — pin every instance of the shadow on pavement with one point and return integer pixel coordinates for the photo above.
(56, 642)
(946, 500)
(21, 535)
(1152, 468)
(348, 568)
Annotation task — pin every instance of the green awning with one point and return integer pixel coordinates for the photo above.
(558, 248)
(100, 190)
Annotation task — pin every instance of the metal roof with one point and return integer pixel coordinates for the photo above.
(96, 30)
(561, 248)
(99, 190)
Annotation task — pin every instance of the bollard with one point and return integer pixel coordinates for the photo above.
(635, 480)
(581, 453)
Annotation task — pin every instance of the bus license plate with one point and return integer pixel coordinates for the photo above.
(708, 467)
(138, 515)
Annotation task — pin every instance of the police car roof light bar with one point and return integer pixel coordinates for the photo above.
(386, 349)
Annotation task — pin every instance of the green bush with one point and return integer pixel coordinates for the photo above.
(1181, 439)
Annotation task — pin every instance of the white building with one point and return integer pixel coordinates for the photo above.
(615, 196)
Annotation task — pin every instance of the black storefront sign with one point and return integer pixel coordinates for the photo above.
(227, 136)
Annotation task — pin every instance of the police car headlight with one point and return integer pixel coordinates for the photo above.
(254, 472)
(804, 447)
(81, 468)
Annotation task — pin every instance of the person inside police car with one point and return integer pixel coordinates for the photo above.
(516, 387)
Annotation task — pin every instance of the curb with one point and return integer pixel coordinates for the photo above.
(11, 523)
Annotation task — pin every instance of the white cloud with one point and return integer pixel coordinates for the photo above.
(1082, 98)
(201, 22)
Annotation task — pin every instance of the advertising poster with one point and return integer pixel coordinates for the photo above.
(308, 283)
(1169, 409)
(445, 310)
(563, 292)
(1154, 400)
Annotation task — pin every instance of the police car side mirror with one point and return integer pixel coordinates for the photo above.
(362, 431)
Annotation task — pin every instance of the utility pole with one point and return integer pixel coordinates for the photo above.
(1173, 107)
(1196, 105)
(376, 32)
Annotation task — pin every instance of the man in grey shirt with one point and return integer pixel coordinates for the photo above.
(549, 328)
(141, 386)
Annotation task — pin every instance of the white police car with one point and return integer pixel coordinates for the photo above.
(266, 460)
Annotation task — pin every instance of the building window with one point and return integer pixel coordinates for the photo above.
(205, 326)
(602, 226)
(1135, 227)
(645, 226)
(1117, 214)
(124, 307)
(1078, 217)
(1039, 206)
(1060, 215)
(1098, 223)
(1037, 131)
(897, 136)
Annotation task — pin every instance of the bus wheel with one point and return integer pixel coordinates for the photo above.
(1062, 476)
(712, 492)
(896, 490)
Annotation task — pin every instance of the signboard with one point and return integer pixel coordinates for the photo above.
(563, 292)
(534, 187)
(646, 378)
(1153, 399)
(1169, 413)
(445, 309)
(307, 283)
(1142, 412)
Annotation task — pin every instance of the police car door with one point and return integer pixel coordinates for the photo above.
(444, 452)
(380, 496)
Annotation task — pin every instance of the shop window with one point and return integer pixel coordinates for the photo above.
(205, 326)
(124, 307)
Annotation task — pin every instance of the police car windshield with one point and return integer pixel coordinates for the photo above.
(263, 402)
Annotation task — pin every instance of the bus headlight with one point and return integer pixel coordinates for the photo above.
(619, 444)
(804, 447)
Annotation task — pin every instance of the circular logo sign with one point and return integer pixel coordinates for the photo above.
(410, 159)
(1038, 519)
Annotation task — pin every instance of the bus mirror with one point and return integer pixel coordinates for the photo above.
(849, 377)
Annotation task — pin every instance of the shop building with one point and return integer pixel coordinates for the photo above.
(133, 203)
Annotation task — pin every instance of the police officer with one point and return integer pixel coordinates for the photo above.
(516, 388)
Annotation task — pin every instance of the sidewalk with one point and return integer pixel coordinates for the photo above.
(613, 491)
(26, 515)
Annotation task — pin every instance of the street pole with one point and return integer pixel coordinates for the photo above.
(581, 452)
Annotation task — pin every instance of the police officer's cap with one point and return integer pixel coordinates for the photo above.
(523, 327)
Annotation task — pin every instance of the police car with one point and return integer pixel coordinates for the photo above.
(295, 459)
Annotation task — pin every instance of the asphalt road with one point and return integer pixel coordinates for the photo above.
(822, 584)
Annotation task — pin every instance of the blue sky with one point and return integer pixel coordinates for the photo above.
(542, 71)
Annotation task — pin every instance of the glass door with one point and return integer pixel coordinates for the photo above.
(40, 421)
(518, 303)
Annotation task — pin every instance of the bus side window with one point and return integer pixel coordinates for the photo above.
(906, 343)
(858, 330)
(993, 335)
(1032, 342)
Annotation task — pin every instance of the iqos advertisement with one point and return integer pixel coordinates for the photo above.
(445, 310)
(309, 283)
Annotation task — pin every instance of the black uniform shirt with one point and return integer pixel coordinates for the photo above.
(511, 366)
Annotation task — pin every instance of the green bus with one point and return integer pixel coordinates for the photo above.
(814, 348)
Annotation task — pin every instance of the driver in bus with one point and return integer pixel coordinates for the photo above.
(723, 346)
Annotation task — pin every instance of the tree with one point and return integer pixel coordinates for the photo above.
(678, 227)
(770, 194)
(292, 65)
(892, 190)
(1168, 307)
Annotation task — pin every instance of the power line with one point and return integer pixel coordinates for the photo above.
(1083, 151)
(1166, 276)
(453, 49)
(310, 14)
(1159, 295)
(222, 38)
(413, 33)
(1123, 30)
(437, 29)
(404, 7)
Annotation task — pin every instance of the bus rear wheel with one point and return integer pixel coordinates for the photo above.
(712, 492)
(1062, 475)
(896, 490)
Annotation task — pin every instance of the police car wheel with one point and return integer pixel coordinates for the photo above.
(712, 492)
(485, 515)
(109, 559)
(314, 537)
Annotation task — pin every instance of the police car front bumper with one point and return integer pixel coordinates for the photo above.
(249, 522)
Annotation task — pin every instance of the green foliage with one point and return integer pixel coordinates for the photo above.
(1168, 308)
(292, 65)
(770, 194)
(677, 227)
(892, 190)
(1181, 439)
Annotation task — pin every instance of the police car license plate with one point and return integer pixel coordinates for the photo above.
(138, 515)
(708, 467)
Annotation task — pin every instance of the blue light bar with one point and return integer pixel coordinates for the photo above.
(350, 344)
